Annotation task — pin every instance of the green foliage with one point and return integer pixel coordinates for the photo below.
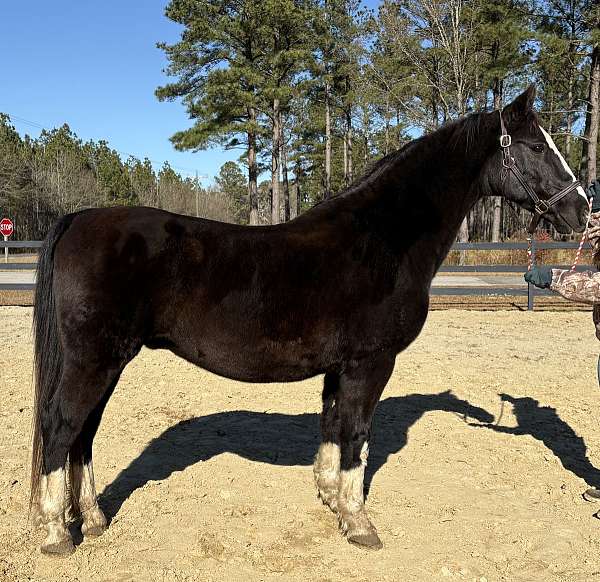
(242, 68)
(214, 64)
(232, 184)
(43, 178)
(112, 175)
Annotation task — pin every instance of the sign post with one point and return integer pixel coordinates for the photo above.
(6, 229)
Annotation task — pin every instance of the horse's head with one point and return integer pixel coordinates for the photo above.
(538, 169)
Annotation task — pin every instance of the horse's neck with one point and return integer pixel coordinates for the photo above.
(424, 197)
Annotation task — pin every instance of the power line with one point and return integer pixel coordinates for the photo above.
(189, 171)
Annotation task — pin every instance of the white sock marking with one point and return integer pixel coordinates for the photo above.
(53, 491)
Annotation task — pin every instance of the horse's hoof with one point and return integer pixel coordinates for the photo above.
(592, 495)
(369, 541)
(94, 523)
(93, 531)
(36, 520)
(62, 548)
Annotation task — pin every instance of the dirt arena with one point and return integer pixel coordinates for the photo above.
(207, 479)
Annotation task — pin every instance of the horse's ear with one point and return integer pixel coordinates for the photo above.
(521, 106)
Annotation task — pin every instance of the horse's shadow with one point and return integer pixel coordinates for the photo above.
(278, 439)
(544, 424)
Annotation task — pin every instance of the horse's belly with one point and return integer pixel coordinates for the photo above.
(255, 360)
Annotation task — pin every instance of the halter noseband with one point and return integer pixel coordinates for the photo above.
(508, 163)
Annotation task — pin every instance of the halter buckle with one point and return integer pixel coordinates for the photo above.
(541, 207)
(507, 160)
(505, 141)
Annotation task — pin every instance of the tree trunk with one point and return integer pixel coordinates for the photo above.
(593, 117)
(294, 203)
(497, 92)
(463, 236)
(298, 173)
(345, 158)
(275, 169)
(349, 174)
(387, 128)
(327, 193)
(497, 218)
(569, 126)
(284, 169)
(252, 171)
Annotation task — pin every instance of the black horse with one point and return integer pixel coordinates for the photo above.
(339, 291)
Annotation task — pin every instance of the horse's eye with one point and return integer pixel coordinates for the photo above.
(538, 148)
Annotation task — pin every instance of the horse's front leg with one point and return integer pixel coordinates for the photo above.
(327, 462)
(349, 426)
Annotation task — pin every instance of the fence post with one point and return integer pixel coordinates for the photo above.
(530, 287)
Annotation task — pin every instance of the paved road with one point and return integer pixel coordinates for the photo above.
(16, 276)
(28, 277)
(479, 281)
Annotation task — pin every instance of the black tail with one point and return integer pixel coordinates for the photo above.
(48, 356)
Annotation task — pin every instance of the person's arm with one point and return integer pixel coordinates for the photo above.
(577, 286)
(583, 286)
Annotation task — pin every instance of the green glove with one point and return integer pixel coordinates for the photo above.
(540, 276)
(594, 190)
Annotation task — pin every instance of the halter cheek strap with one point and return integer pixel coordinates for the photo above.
(541, 207)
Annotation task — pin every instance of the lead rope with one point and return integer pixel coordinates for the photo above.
(583, 236)
(530, 261)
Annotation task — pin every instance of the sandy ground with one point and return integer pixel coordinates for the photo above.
(209, 479)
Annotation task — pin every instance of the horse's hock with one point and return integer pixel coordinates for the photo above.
(484, 441)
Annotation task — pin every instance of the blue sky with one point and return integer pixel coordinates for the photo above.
(95, 65)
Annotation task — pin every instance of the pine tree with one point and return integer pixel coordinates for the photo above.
(216, 63)
(232, 184)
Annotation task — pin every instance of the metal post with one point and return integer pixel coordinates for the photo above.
(530, 287)
(5, 250)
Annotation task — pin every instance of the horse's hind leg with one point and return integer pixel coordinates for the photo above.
(358, 394)
(83, 489)
(327, 462)
(80, 390)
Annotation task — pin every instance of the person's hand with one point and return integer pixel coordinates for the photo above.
(593, 233)
(594, 190)
(540, 276)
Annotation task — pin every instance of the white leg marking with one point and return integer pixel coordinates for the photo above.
(553, 147)
(352, 514)
(53, 495)
(52, 510)
(94, 522)
(351, 495)
(327, 473)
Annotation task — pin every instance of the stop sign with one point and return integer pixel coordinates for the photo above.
(6, 226)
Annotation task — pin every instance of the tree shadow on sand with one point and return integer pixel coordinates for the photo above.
(544, 424)
(278, 439)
